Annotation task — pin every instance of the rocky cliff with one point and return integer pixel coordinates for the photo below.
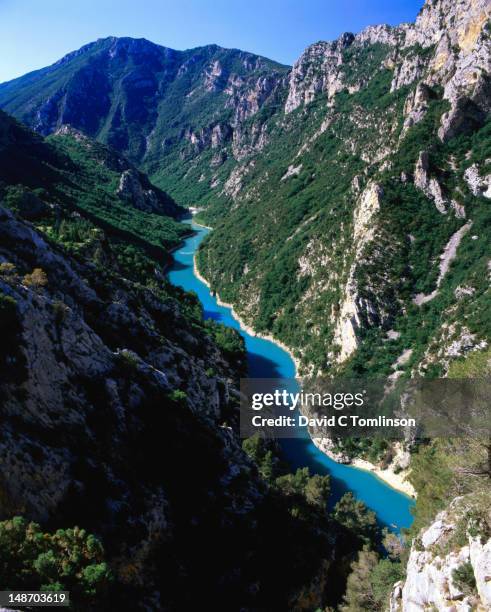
(119, 414)
(119, 403)
(91, 366)
(449, 566)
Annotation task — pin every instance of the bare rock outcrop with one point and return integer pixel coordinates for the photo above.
(349, 319)
(428, 184)
(461, 62)
(435, 559)
(479, 185)
(317, 70)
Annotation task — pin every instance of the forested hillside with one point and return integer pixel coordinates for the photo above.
(361, 232)
(346, 185)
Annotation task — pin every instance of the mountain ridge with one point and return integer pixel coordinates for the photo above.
(163, 109)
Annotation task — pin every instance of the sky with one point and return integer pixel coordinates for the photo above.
(36, 33)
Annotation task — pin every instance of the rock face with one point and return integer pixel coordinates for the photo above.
(447, 256)
(131, 188)
(113, 407)
(435, 557)
(462, 58)
(355, 310)
(316, 71)
(94, 368)
(461, 63)
(427, 184)
(479, 185)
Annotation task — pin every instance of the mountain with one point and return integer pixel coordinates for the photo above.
(45, 179)
(119, 409)
(344, 184)
(169, 111)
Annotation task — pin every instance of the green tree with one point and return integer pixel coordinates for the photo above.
(313, 489)
(261, 451)
(317, 490)
(36, 279)
(354, 515)
(359, 591)
(69, 559)
(370, 582)
(255, 447)
(383, 577)
(463, 578)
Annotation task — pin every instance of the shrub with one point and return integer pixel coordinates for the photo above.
(463, 578)
(7, 269)
(36, 279)
(355, 516)
(228, 340)
(178, 396)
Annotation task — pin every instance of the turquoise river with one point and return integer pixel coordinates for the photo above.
(268, 360)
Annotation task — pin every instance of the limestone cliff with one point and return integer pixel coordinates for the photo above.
(449, 565)
(354, 312)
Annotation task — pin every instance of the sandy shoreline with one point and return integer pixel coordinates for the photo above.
(201, 225)
(396, 481)
(237, 317)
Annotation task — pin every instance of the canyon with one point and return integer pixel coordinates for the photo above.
(349, 201)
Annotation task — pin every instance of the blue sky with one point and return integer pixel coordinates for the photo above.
(35, 33)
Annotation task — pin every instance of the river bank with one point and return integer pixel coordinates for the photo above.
(397, 480)
(267, 358)
(201, 225)
(250, 330)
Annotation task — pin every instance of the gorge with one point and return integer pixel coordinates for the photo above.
(267, 360)
(349, 197)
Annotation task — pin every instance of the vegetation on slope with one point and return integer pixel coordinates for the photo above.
(67, 560)
(68, 173)
(350, 524)
(146, 101)
(293, 233)
(67, 186)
